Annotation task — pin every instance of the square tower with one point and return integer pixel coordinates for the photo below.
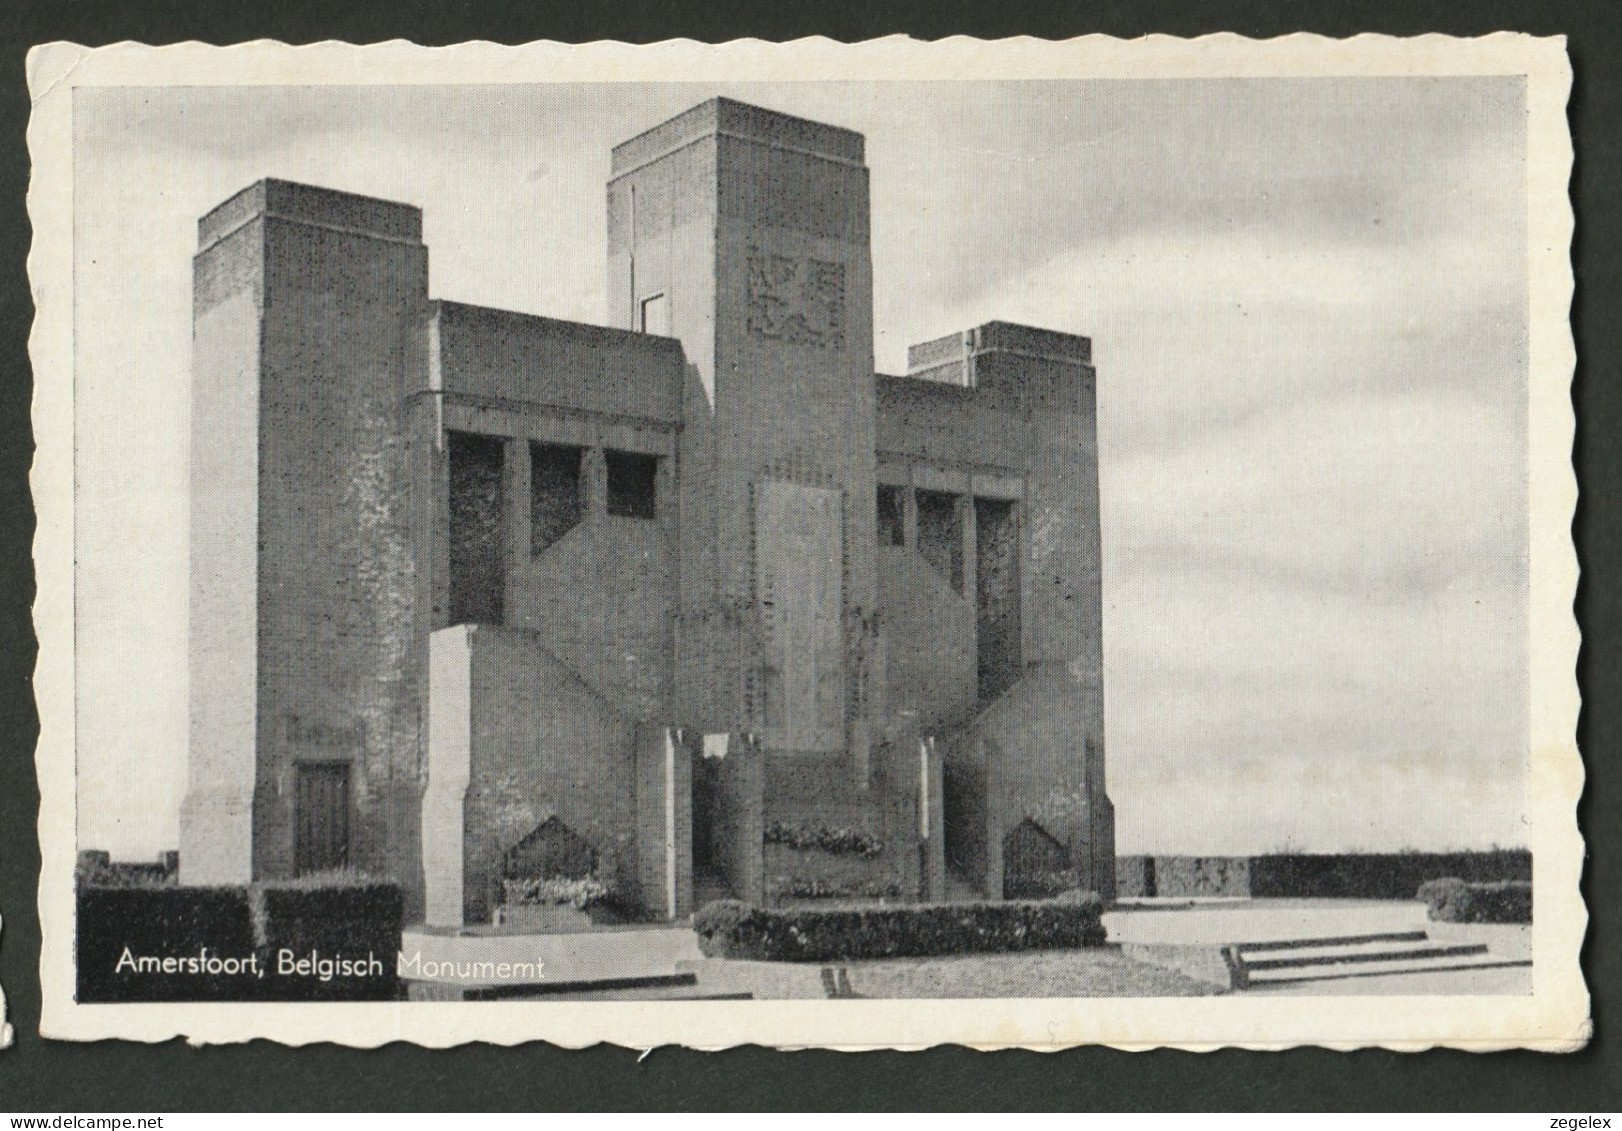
(308, 333)
(745, 234)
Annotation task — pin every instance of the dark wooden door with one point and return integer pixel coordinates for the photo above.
(321, 839)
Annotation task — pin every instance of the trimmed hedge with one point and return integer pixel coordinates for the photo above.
(812, 835)
(163, 942)
(98, 868)
(730, 929)
(1451, 900)
(811, 887)
(325, 919)
(158, 922)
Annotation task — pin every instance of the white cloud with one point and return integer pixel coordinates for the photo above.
(1393, 493)
(1337, 587)
(1191, 333)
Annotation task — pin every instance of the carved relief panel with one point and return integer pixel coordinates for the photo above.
(797, 300)
(799, 589)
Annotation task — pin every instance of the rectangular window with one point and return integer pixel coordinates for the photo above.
(996, 599)
(632, 484)
(478, 543)
(940, 535)
(554, 493)
(655, 316)
(892, 526)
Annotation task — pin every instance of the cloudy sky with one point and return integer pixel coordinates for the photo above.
(1307, 300)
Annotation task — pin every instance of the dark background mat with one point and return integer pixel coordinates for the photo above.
(50, 1076)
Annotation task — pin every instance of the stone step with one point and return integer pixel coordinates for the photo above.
(643, 988)
(674, 994)
(1331, 972)
(1341, 940)
(1367, 952)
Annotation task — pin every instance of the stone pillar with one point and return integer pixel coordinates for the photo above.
(664, 821)
(515, 488)
(450, 748)
(932, 818)
(594, 482)
(909, 517)
(217, 815)
(678, 815)
(971, 560)
(997, 823)
(861, 752)
(1100, 861)
(743, 818)
(668, 749)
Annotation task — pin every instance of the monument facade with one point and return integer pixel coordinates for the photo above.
(695, 601)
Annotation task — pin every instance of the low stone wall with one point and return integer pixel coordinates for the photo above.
(1134, 877)
(1393, 875)
(1137, 877)
(1227, 876)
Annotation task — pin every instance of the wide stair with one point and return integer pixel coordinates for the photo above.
(1282, 962)
(656, 987)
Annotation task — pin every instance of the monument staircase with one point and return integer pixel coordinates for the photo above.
(1283, 962)
(1314, 945)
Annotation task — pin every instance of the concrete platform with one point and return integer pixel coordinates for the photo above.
(1257, 946)
(1080, 972)
(1188, 922)
(589, 956)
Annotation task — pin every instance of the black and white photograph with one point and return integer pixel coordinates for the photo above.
(599, 546)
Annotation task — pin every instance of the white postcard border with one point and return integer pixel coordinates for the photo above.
(1554, 1017)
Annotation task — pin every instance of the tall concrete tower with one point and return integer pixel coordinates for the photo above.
(308, 332)
(744, 233)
